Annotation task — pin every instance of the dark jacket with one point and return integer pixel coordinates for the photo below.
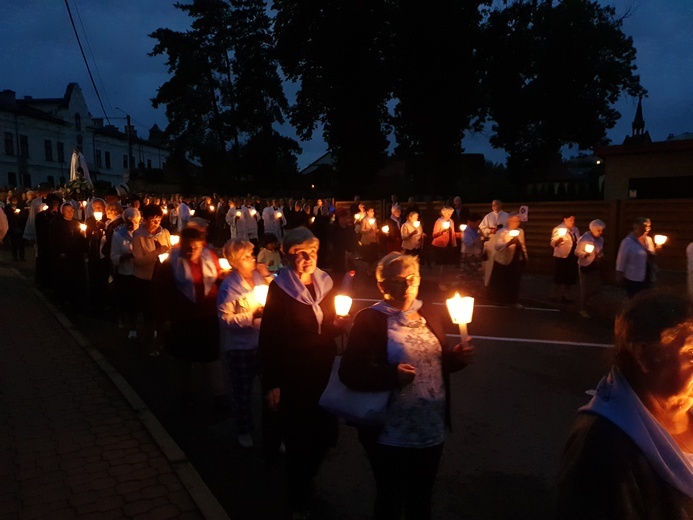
(604, 475)
(365, 365)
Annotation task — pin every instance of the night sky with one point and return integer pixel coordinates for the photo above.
(40, 56)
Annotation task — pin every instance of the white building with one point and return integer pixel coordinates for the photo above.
(40, 134)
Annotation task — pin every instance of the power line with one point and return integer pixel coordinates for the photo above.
(86, 63)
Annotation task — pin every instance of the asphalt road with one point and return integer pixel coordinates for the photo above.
(512, 410)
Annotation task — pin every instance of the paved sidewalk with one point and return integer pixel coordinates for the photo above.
(72, 443)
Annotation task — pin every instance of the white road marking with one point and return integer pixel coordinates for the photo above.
(542, 341)
(368, 300)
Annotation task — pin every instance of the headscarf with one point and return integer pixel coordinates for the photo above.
(291, 284)
(616, 401)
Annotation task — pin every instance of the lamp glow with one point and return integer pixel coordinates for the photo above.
(98, 215)
(660, 239)
(385, 229)
(174, 240)
(224, 264)
(589, 248)
(260, 293)
(342, 304)
(461, 311)
(163, 257)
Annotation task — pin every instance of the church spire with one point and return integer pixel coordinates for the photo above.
(638, 122)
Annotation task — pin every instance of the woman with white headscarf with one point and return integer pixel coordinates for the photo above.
(297, 348)
(630, 452)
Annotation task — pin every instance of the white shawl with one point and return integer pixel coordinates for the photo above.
(291, 284)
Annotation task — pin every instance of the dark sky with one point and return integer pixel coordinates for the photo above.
(39, 57)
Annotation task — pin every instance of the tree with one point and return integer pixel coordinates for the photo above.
(224, 89)
(553, 72)
(436, 80)
(334, 52)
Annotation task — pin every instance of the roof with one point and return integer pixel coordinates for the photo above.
(683, 145)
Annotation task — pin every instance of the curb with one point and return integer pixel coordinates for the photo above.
(193, 483)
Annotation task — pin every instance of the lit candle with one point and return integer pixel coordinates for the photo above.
(562, 231)
(84, 203)
(174, 240)
(44, 207)
(211, 208)
(417, 223)
(192, 212)
(514, 233)
(17, 210)
(164, 210)
(446, 224)
(461, 311)
(278, 215)
(385, 229)
(660, 239)
(238, 214)
(260, 293)
(98, 215)
(253, 212)
(312, 219)
(371, 221)
(358, 217)
(163, 257)
(463, 227)
(342, 304)
(224, 264)
(83, 228)
(589, 248)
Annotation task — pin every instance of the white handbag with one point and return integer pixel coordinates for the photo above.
(366, 408)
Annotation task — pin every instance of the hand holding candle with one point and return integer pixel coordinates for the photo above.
(461, 311)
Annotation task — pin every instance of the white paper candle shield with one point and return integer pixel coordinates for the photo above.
(461, 311)
(514, 233)
(446, 224)
(660, 239)
(163, 257)
(589, 248)
(174, 240)
(386, 229)
(342, 304)
(463, 227)
(260, 292)
(224, 264)
(417, 223)
(562, 231)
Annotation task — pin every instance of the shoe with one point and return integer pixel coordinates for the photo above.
(585, 314)
(245, 440)
(132, 335)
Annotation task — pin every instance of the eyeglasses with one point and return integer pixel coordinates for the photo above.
(413, 280)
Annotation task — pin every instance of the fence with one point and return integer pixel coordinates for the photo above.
(669, 217)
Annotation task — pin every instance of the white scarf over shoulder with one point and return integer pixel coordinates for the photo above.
(291, 284)
(182, 274)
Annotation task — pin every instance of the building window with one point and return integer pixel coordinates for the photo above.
(9, 143)
(149, 164)
(12, 179)
(108, 159)
(78, 122)
(24, 148)
(60, 148)
(48, 146)
(125, 162)
(98, 158)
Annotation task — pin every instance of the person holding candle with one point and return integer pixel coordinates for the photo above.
(590, 253)
(68, 247)
(399, 345)
(446, 250)
(564, 238)
(122, 259)
(98, 265)
(472, 248)
(495, 220)
(630, 451)
(274, 219)
(509, 260)
(412, 235)
(369, 240)
(148, 242)
(240, 315)
(297, 347)
(635, 261)
(17, 215)
(269, 253)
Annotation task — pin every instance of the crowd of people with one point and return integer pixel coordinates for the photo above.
(217, 282)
